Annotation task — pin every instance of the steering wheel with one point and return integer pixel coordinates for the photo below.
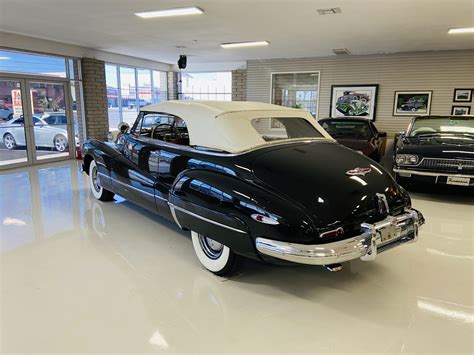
(171, 128)
(423, 130)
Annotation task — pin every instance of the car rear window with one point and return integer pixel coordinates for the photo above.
(277, 128)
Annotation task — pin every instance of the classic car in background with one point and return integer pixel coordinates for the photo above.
(46, 135)
(358, 134)
(352, 103)
(436, 149)
(242, 190)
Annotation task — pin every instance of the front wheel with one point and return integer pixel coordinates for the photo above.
(215, 256)
(98, 191)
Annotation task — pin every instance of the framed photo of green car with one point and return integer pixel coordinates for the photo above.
(462, 95)
(460, 110)
(354, 101)
(412, 103)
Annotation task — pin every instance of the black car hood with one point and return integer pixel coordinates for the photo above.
(437, 149)
(315, 176)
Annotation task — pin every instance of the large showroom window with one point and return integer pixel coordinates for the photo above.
(129, 89)
(206, 86)
(297, 90)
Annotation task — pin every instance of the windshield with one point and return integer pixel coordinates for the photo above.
(347, 129)
(284, 128)
(437, 126)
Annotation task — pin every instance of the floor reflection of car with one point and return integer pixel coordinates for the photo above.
(437, 149)
(356, 133)
(46, 135)
(6, 113)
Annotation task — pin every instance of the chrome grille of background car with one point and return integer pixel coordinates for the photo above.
(447, 165)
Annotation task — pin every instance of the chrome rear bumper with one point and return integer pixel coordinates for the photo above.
(375, 238)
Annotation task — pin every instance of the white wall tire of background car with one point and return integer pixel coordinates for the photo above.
(98, 191)
(215, 256)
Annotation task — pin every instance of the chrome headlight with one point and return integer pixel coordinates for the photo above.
(407, 159)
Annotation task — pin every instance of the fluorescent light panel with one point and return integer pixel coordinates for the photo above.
(461, 30)
(182, 11)
(244, 44)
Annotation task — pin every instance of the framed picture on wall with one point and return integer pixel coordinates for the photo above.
(354, 101)
(460, 110)
(462, 95)
(412, 103)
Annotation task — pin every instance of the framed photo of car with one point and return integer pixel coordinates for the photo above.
(461, 110)
(354, 101)
(462, 95)
(412, 103)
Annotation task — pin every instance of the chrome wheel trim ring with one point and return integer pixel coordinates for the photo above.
(95, 181)
(210, 247)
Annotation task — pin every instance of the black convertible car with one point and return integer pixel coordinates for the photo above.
(242, 188)
(436, 149)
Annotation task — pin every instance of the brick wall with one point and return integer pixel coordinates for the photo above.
(172, 85)
(95, 98)
(239, 85)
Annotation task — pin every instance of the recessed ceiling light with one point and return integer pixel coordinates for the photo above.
(245, 44)
(171, 12)
(461, 30)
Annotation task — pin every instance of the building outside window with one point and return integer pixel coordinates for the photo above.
(205, 86)
(297, 90)
(129, 89)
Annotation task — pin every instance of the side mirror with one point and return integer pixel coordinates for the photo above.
(382, 134)
(123, 127)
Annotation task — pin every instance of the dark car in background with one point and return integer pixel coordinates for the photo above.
(356, 133)
(436, 149)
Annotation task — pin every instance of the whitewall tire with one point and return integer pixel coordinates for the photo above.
(98, 191)
(215, 256)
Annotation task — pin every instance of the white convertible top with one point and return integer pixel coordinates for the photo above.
(226, 125)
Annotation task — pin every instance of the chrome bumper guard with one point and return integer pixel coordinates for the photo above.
(375, 238)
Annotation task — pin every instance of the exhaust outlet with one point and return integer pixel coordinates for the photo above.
(333, 267)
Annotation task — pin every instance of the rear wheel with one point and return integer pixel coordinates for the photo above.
(9, 141)
(98, 191)
(60, 143)
(215, 256)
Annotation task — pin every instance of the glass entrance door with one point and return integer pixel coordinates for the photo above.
(35, 122)
(51, 120)
(13, 133)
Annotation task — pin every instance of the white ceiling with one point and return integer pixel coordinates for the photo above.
(293, 27)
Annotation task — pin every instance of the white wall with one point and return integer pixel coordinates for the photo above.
(441, 72)
(20, 42)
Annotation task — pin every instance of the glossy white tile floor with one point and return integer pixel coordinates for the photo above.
(82, 276)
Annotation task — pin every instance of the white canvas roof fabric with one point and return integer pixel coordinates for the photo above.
(226, 125)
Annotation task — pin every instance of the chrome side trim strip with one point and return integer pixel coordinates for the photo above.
(173, 213)
(429, 173)
(205, 219)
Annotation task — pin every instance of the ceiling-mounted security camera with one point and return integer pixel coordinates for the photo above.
(182, 61)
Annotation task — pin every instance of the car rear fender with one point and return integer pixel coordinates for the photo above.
(221, 206)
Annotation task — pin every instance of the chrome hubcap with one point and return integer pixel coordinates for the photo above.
(210, 247)
(95, 182)
(60, 144)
